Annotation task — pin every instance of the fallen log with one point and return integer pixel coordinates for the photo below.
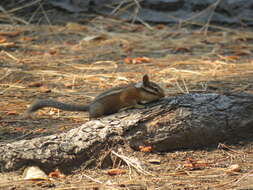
(186, 121)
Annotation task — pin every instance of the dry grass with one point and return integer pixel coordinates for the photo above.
(74, 62)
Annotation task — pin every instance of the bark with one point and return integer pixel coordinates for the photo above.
(187, 121)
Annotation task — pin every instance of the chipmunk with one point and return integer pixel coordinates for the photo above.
(110, 101)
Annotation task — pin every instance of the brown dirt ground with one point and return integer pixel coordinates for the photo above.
(73, 61)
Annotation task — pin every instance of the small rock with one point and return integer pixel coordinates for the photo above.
(34, 172)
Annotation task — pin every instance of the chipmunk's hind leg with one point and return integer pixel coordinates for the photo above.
(96, 110)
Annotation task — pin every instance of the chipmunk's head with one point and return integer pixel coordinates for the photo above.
(150, 91)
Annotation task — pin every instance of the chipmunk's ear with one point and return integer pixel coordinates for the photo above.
(145, 80)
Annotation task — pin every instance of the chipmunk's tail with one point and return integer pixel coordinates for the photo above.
(39, 104)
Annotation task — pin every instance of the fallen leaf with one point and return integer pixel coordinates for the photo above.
(7, 44)
(10, 34)
(44, 90)
(154, 161)
(95, 38)
(39, 130)
(69, 85)
(3, 39)
(26, 39)
(116, 172)
(20, 129)
(229, 58)
(128, 60)
(35, 84)
(160, 26)
(145, 148)
(56, 174)
(181, 48)
(52, 52)
(233, 168)
(195, 164)
(137, 60)
(12, 112)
